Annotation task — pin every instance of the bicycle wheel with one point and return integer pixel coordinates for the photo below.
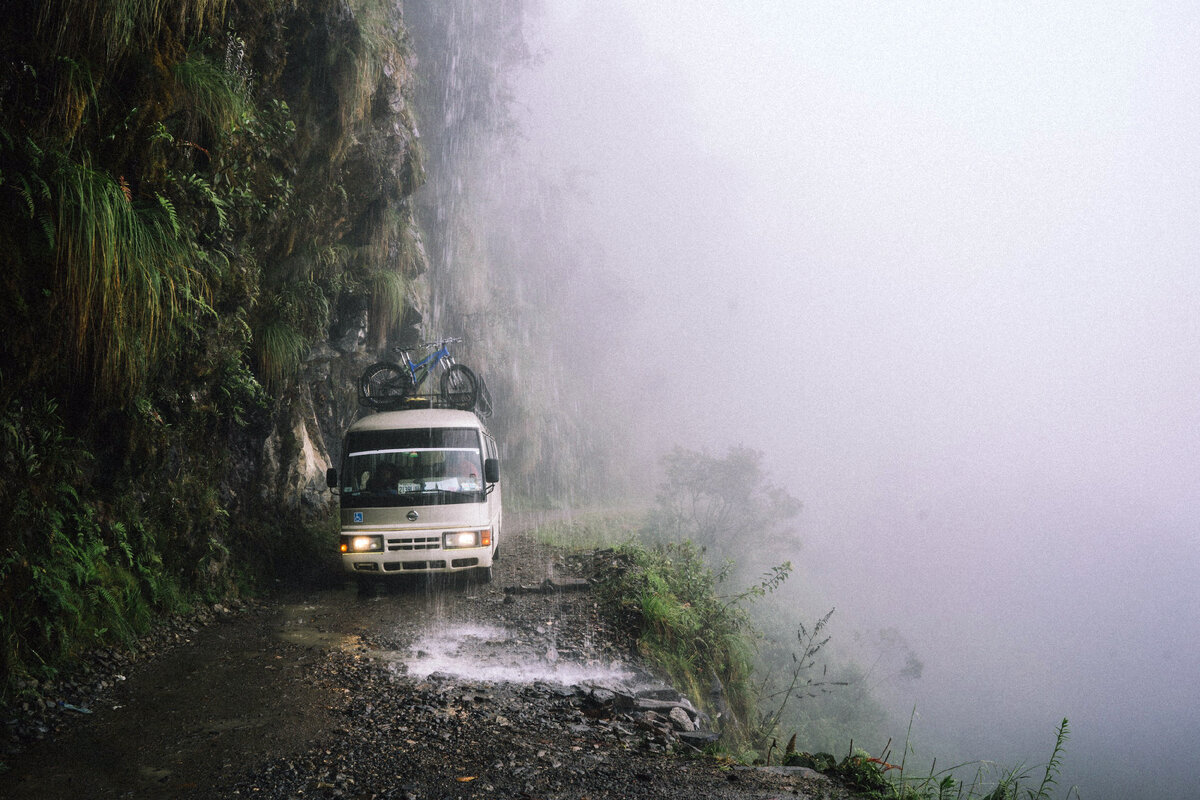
(384, 385)
(460, 387)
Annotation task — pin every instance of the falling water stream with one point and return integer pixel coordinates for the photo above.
(495, 654)
(493, 274)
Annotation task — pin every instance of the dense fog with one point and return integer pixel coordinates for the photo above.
(938, 263)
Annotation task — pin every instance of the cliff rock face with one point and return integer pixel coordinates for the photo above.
(346, 73)
(295, 458)
(208, 234)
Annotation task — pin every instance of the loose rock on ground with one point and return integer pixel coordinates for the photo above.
(339, 693)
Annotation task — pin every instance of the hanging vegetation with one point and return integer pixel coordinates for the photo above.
(193, 192)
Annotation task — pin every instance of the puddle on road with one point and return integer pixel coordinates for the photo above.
(300, 626)
(495, 654)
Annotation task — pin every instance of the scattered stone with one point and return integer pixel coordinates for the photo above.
(681, 719)
(393, 735)
(699, 739)
(647, 704)
(551, 586)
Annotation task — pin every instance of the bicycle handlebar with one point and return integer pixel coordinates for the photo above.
(430, 345)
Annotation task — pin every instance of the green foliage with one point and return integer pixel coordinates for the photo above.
(134, 214)
(239, 394)
(798, 680)
(174, 244)
(1054, 765)
(874, 777)
(246, 168)
(387, 290)
(217, 97)
(280, 349)
(109, 30)
(73, 572)
(121, 271)
(288, 321)
(590, 530)
(702, 642)
(861, 773)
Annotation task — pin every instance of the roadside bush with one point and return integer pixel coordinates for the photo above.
(703, 642)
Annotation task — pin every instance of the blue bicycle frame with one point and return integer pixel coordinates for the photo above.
(420, 371)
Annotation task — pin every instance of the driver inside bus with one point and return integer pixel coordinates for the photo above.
(384, 479)
(464, 465)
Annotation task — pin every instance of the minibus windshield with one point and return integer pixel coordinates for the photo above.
(420, 466)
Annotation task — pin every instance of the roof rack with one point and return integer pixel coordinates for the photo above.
(481, 403)
(415, 401)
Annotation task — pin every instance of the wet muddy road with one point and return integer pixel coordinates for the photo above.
(422, 691)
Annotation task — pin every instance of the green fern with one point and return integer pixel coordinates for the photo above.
(217, 97)
(387, 299)
(122, 270)
(200, 189)
(280, 349)
(112, 29)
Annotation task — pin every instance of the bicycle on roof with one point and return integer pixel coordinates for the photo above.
(388, 385)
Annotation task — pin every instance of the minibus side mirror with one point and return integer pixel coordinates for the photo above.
(331, 478)
(491, 470)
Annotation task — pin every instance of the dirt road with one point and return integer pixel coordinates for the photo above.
(426, 691)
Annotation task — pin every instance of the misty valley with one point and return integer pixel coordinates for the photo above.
(838, 366)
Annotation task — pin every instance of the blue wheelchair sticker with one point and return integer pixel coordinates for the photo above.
(358, 516)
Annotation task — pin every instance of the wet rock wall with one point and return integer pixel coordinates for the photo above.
(346, 73)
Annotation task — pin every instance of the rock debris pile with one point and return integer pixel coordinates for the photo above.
(444, 737)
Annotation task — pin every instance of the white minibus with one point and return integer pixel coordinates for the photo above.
(419, 493)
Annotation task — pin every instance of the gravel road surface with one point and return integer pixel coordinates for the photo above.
(419, 691)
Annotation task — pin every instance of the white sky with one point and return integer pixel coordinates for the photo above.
(939, 262)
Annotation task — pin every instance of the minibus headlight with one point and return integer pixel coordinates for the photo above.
(362, 544)
(460, 539)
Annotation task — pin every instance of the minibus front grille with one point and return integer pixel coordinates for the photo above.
(423, 565)
(414, 542)
(464, 562)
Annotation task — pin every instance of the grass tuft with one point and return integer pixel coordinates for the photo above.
(122, 274)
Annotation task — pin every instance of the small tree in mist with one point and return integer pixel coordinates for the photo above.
(721, 502)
